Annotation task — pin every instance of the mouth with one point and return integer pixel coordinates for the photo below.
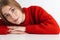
(16, 20)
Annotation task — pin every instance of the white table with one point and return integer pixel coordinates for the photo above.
(30, 37)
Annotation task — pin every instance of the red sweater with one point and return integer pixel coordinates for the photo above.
(37, 21)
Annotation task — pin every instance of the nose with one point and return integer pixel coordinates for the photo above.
(13, 16)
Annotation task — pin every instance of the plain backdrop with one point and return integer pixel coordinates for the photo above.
(51, 6)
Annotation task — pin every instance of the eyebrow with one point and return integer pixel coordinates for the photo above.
(10, 8)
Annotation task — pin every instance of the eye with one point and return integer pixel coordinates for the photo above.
(7, 15)
(13, 9)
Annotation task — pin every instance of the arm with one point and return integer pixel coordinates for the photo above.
(47, 24)
(17, 29)
(3, 27)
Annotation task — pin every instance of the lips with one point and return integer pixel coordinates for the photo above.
(16, 20)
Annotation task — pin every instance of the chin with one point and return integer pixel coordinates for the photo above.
(17, 23)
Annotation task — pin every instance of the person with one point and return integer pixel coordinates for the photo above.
(31, 20)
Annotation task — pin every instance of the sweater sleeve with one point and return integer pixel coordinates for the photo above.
(47, 24)
(3, 28)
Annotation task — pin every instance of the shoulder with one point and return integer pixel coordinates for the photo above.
(35, 7)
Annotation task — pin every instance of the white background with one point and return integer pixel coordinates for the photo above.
(51, 6)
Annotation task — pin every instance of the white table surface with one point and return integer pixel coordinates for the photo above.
(30, 37)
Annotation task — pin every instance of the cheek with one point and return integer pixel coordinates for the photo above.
(9, 19)
(18, 13)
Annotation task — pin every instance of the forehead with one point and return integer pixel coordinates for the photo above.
(5, 8)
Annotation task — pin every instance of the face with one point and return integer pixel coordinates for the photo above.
(12, 14)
